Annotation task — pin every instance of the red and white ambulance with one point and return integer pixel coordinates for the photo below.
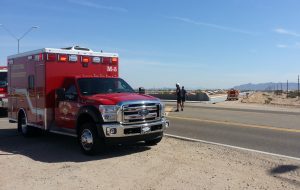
(3, 88)
(76, 91)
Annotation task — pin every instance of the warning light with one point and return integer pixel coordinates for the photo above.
(85, 59)
(51, 57)
(114, 60)
(106, 60)
(73, 58)
(3, 89)
(97, 59)
(62, 58)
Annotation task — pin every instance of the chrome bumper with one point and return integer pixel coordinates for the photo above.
(119, 130)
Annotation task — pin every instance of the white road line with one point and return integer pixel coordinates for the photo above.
(230, 146)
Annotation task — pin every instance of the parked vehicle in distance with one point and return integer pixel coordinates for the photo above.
(77, 92)
(3, 88)
(233, 94)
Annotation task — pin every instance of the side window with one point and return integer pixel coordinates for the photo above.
(31, 82)
(71, 93)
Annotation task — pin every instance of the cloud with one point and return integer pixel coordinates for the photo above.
(210, 25)
(286, 32)
(293, 46)
(282, 46)
(97, 6)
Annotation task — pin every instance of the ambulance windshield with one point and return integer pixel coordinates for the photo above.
(91, 86)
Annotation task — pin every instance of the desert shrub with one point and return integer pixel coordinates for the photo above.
(292, 94)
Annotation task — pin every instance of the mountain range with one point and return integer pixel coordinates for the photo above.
(267, 86)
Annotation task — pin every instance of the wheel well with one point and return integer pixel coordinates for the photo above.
(84, 118)
(21, 113)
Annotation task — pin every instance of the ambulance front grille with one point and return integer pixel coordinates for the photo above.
(141, 113)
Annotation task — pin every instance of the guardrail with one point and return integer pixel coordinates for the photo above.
(189, 97)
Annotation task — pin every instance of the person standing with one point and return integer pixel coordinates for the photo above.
(178, 96)
(183, 97)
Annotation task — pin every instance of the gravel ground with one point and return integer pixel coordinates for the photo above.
(55, 162)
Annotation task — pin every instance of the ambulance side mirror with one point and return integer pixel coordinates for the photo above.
(141, 90)
(60, 94)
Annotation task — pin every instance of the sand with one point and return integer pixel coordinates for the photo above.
(55, 162)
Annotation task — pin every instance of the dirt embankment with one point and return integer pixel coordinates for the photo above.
(271, 99)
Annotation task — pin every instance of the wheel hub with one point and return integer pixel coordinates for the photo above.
(24, 126)
(87, 139)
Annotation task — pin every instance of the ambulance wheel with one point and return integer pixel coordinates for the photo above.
(89, 140)
(153, 142)
(23, 128)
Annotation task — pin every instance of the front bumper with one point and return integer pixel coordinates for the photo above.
(3, 102)
(118, 130)
(133, 139)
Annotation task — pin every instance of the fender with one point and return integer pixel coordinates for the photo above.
(94, 114)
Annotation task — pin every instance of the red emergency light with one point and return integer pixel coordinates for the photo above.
(106, 60)
(62, 57)
(114, 60)
(85, 59)
(38, 57)
(51, 57)
(3, 89)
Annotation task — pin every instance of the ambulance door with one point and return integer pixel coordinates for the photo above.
(67, 109)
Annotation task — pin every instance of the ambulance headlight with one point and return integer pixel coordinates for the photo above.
(162, 110)
(109, 112)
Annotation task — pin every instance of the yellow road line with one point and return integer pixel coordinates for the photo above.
(238, 124)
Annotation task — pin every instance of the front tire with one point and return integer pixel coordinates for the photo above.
(89, 140)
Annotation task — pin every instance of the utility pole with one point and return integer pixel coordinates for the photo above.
(298, 89)
(287, 88)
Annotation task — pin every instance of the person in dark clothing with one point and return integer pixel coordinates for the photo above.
(183, 97)
(178, 95)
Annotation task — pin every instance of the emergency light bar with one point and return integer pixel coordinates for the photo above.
(83, 59)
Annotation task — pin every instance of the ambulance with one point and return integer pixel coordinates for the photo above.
(77, 92)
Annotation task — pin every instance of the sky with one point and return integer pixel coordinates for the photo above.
(198, 43)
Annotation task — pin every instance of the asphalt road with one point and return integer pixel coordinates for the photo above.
(270, 131)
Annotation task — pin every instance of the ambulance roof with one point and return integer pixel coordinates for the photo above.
(71, 50)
